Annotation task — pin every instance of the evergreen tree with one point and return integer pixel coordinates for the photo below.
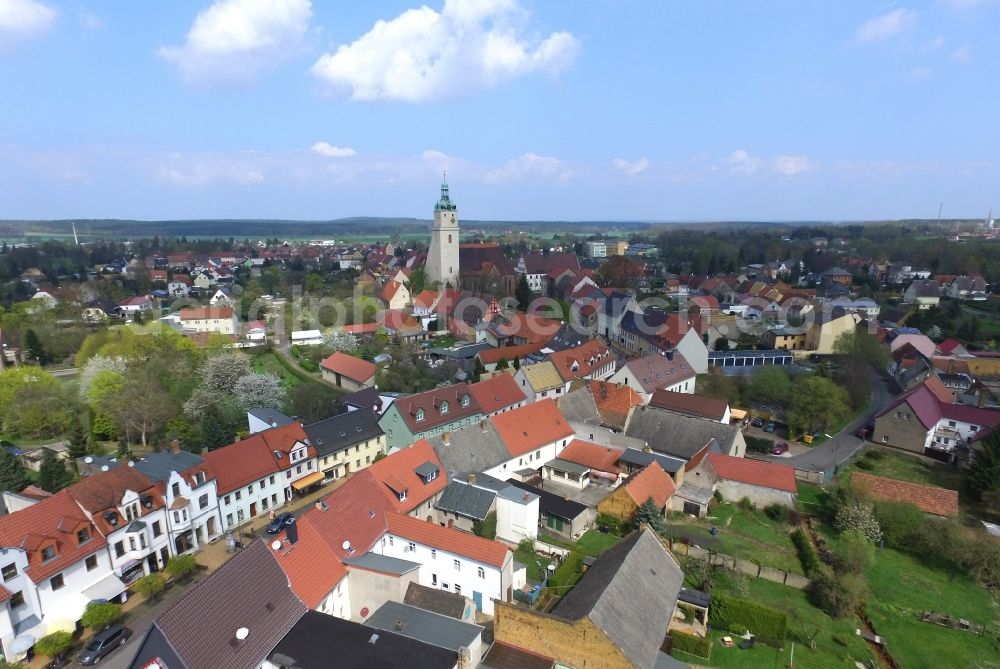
(78, 444)
(215, 433)
(502, 364)
(479, 370)
(53, 475)
(523, 293)
(13, 475)
(517, 362)
(649, 514)
(33, 347)
(983, 473)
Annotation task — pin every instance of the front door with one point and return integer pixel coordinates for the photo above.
(253, 509)
(477, 597)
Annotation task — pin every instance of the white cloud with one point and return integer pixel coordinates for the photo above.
(631, 167)
(331, 151)
(202, 169)
(790, 166)
(235, 40)
(530, 165)
(24, 19)
(886, 26)
(962, 55)
(920, 72)
(424, 55)
(741, 161)
(90, 21)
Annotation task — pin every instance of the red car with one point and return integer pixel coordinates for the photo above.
(779, 448)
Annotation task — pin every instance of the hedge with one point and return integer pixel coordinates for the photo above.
(807, 552)
(739, 615)
(309, 365)
(689, 643)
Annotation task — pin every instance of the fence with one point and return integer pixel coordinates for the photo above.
(542, 547)
(745, 566)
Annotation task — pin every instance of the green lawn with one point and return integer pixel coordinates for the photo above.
(530, 560)
(836, 643)
(901, 587)
(905, 468)
(748, 535)
(268, 363)
(593, 542)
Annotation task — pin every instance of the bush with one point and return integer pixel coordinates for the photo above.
(900, 523)
(487, 528)
(689, 643)
(54, 644)
(777, 512)
(853, 554)
(181, 566)
(837, 594)
(740, 615)
(309, 365)
(746, 504)
(99, 615)
(151, 586)
(758, 444)
(611, 524)
(858, 516)
(567, 574)
(807, 552)
(864, 463)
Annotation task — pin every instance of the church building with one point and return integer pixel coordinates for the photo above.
(442, 259)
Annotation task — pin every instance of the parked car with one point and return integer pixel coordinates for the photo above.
(103, 643)
(769, 427)
(757, 422)
(279, 521)
(779, 448)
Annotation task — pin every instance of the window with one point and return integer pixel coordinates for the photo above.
(262, 484)
(239, 495)
(458, 565)
(481, 572)
(157, 530)
(9, 571)
(465, 400)
(263, 504)
(250, 490)
(239, 515)
(225, 500)
(419, 416)
(434, 580)
(309, 465)
(56, 582)
(48, 553)
(412, 547)
(288, 474)
(951, 423)
(274, 499)
(177, 517)
(16, 600)
(131, 543)
(906, 416)
(402, 495)
(885, 439)
(203, 501)
(200, 478)
(176, 489)
(899, 414)
(444, 585)
(368, 459)
(229, 520)
(434, 554)
(390, 539)
(444, 407)
(271, 480)
(142, 540)
(458, 589)
(120, 549)
(298, 470)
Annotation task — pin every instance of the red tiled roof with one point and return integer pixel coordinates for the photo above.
(594, 456)
(927, 498)
(251, 459)
(399, 470)
(312, 567)
(657, 371)
(355, 513)
(948, 345)
(704, 301)
(586, 357)
(695, 405)
(102, 493)
(53, 521)
(969, 414)
(390, 289)
(531, 426)
(431, 402)
(939, 390)
(615, 398)
(349, 366)
(496, 393)
(425, 299)
(653, 482)
(363, 328)
(493, 355)
(448, 539)
(206, 313)
(754, 472)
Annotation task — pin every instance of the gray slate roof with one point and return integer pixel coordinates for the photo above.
(578, 406)
(382, 563)
(157, 466)
(629, 593)
(334, 434)
(272, 416)
(679, 435)
(466, 500)
(470, 450)
(426, 626)
(439, 601)
(633, 456)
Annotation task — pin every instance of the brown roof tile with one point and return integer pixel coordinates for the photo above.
(653, 482)
(496, 393)
(694, 405)
(349, 366)
(927, 498)
(531, 426)
(754, 472)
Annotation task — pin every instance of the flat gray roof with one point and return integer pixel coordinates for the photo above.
(383, 563)
(566, 466)
(426, 626)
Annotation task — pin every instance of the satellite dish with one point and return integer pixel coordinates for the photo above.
(346, 545)
(104, 468)
(88, 459)
(276, 545)
(131, 463)
(242, 633)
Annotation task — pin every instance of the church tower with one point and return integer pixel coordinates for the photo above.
(442, 259)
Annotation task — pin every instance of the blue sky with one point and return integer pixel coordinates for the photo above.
(604, 109)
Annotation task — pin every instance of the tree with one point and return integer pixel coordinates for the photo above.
(99, 615)
(817, 403)
(33, 347)
(53, 475)
(260, 390)
(181, 566)
(312, 402)
(479, 369)
(517, 362)
(649, 514)
(859, 355)
(853, 554)
(771, 385)
(722, 344)
(339, 339)
(54, 645)
(215, 430)
(523, 293)
(900, 522)
(13, 475)
(142, 407)
(417, 281)
(718, 385)
(858, 516)
(837, 594)
(502, 364)
(221, 371)
(982, 476)
(151, 585)
(78, 442)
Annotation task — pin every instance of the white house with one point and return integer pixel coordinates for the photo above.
(307, 338)
(223, 298)
(187, 483)
(517, 515)
(669, 371)
(217, 320)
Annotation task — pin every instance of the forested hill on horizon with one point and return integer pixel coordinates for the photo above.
(91, 229)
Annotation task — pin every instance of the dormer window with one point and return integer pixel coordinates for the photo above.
(402, 495)
(200, 478)
(444, 407)
(48, 553)
(83, 536)
(176, 489)
(419, 415)
(465, 400)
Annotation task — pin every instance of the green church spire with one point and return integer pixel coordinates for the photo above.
(445, 203)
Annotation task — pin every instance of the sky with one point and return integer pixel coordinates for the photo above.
(655, 110)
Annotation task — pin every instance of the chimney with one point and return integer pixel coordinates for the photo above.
(646, 448)
(399, 625)
(464, 658)
(175, 446)
(472, 478)
(204, 451)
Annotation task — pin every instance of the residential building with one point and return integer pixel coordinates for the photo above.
(540, 381)
(763, 483)
(462, 505)
(498, 394)
(429, 413)
(431, 628)
(218, 320)
(223, 297)
(307, 338)
(348, 372)
(140, 304)
(924, 293)
(649, 483)
(683, 436)
(669, 371)
(265, 418)
(438, 601)
(533, 434)
(692, 405)
(395, 295)
(346, 443)
(591, 360)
